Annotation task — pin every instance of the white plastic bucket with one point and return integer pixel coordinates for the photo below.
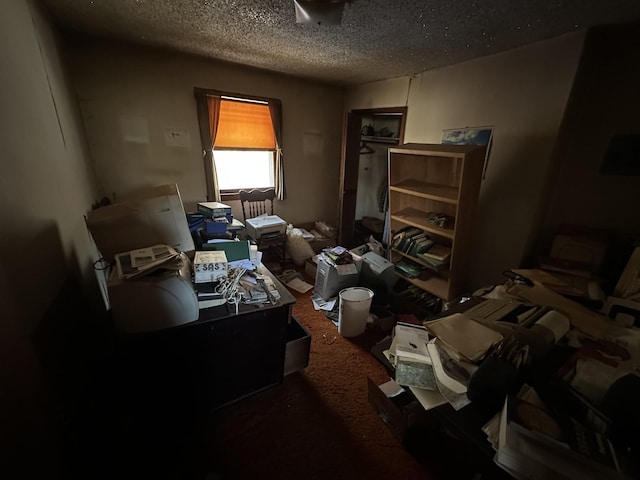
(353, 311)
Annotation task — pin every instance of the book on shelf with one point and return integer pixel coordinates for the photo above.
(535, 444)
(407, 237)
(408, 268)
(438, 252)
(419, 244)
(404, 235)
(432, 262)
(412, 242)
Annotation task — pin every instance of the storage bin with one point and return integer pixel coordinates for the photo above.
(214, 227)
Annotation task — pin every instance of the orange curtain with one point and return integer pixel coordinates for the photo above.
(244, 125)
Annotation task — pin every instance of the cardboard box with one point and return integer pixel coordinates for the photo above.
(320, 240)
(214, 209)
(265, 226)
(331, 279)
(209, 266)
(581, 245)
(311, 266)
(155, 216)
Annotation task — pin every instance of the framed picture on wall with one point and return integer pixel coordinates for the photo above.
(470, 136)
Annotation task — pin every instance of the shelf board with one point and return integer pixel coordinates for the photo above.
(418, 218)
(432, 191)
(420, 262)
(431, 283)
(390, 140)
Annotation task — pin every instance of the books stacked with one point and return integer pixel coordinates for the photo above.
(411, 241)
(468, 338)
(416, 243)
(532, 443)
(408, 268)
(436, 257)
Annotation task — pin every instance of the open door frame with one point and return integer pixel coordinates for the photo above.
(349, 168)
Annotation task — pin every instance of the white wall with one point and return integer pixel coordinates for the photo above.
(45, 188)
(46, 183)
(153, 88)
(522, 95)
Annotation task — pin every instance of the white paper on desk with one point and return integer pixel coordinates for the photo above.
(244, 263)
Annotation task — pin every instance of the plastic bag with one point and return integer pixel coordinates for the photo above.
(297, 247)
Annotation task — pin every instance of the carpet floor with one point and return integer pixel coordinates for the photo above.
(319, 423)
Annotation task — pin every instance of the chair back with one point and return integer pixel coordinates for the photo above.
(256, 202)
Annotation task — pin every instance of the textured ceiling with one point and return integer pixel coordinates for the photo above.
(378, 39)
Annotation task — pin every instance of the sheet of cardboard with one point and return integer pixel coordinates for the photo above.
(155, 216)
(579, 316)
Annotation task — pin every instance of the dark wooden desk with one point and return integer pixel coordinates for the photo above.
(211, 362)
(239, 355)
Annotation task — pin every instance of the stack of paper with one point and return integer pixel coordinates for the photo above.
(146, 260)
(466, 337)
(530, 443)
(408, 354)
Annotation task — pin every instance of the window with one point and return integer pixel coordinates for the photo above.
(241, 138)
(246, 124)
(243, 169)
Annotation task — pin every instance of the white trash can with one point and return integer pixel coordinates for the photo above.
(353, 311)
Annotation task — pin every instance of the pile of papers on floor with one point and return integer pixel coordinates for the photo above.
(531, 442)
(428, 368)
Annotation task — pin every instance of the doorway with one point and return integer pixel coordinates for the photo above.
(367, 135)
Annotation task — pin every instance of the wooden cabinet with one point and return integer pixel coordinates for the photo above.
(429, 179)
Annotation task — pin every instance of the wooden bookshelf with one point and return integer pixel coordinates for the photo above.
(443, 179)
